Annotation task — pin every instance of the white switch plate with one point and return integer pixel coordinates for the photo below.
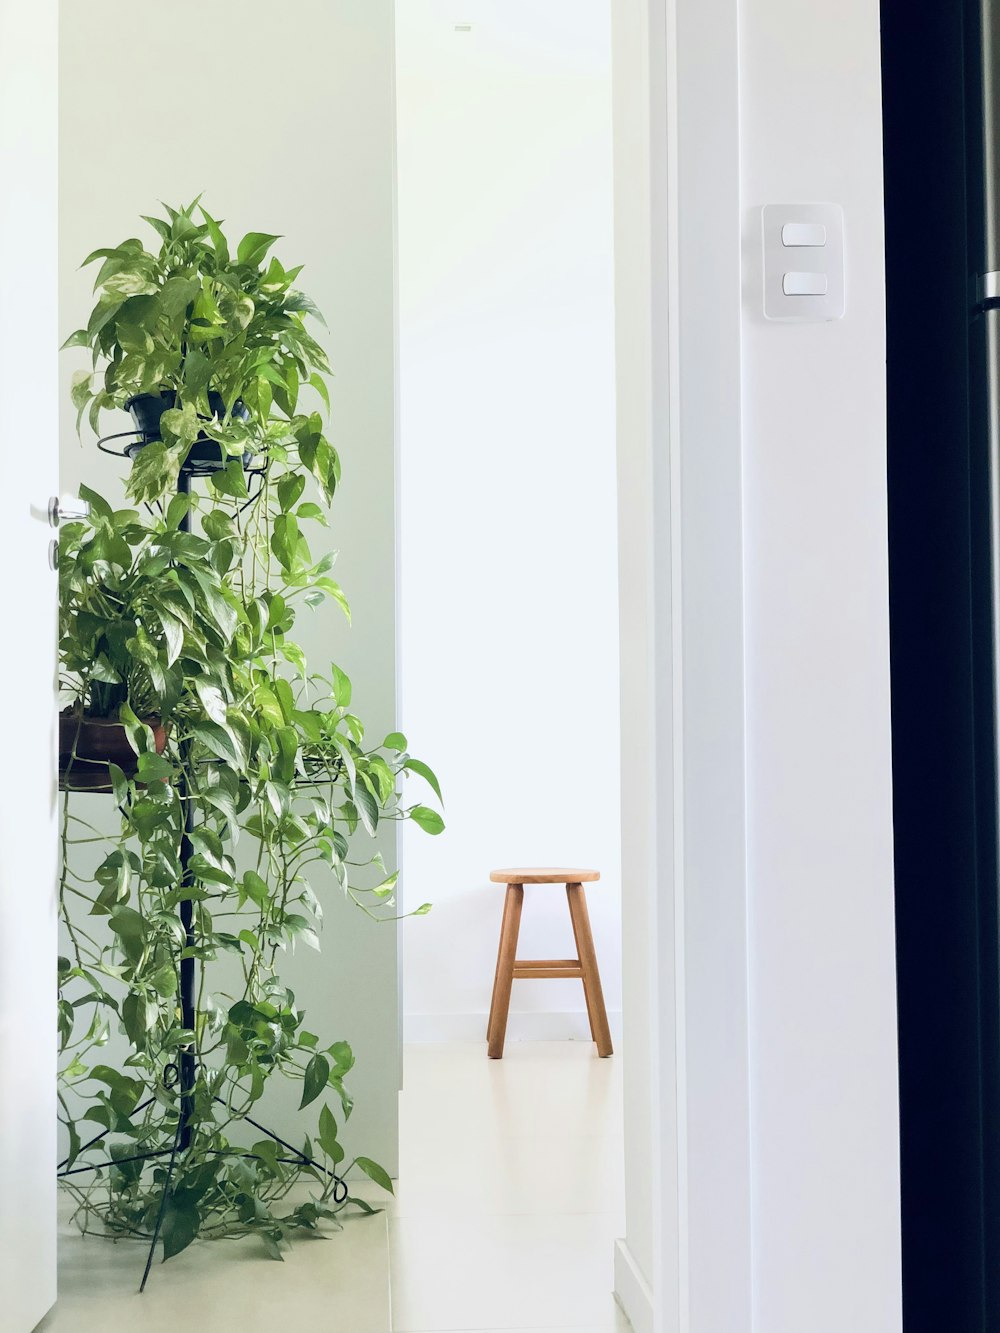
(803, 284)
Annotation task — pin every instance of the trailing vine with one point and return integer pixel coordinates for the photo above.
(246, 764)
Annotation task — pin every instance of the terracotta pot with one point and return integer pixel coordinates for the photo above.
(98, 741)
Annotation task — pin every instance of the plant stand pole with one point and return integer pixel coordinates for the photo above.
(188, 1069)
(188, 1065)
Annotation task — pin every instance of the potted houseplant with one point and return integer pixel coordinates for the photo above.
(248, 777)
(110, 614)
(199, 346)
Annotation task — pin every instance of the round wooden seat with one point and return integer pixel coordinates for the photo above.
(544, 875)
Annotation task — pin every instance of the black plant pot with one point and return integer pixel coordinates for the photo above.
(205, 454)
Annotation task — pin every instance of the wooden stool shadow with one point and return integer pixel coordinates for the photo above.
(511, 968)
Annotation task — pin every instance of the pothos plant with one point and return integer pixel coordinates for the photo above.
(177, 617)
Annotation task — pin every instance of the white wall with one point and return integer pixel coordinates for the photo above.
(806, 1225)
(508, 597)
(313, 160)
(822, 991)
(28, 825)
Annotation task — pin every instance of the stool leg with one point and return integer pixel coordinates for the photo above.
(497, 1028)
(587, 955)
(508, 899)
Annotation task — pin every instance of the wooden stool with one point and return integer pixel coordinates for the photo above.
(583, 966)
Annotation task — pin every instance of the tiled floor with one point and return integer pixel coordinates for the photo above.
(507, 1208)
(510, 1193)
(335, 1285)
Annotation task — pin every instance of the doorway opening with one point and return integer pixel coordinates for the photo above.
(508, 597)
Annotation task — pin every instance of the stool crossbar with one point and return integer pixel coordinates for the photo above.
(511, 968)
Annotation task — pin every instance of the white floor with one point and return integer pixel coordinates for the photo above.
(335, 1285)
(509, 1201)
(510, 1195)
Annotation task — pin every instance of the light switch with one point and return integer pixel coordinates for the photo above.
(803, 262)
(803, 233)
(804, 284)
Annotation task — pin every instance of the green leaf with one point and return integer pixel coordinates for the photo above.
(316, 1075)
(155, 470)
(328, 1140)
(298, 928)
(197, 373)
(254, 246)
(74, 1142)
(176, 295)
(429, 820)
(419, 767)
(319, 384)
(134, 322)
(138, 1016)
(387, 887)
(138, 733)
(270, 1242)
(256, 889)
(180, 1226)
(173, 637)
(288, 748)
(129, 282)
(290, 487)
(164, 981)
(310, 510)
(298, 301)
(395, 741)
(367, 807)
(178, 508)
(231, 480)
(375, 1172)
(119, 784)
(80, 388)
(103, 253)
(159, 226)
(153, 767)
(130, 928)
(180, 425)
(99, 507)
(211, 699)
(335, 591)
(341, 686)
(343, 1057)
(286, 391)
(218, 239)
(284, 539)
(216, 739)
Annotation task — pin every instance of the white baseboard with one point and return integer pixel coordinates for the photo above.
(536, 1025)
(632, 1290)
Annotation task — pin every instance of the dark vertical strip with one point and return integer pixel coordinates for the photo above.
(942, 782)
(188, 1070)
(982, 181)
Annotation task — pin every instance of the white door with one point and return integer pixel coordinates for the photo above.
(29, 383)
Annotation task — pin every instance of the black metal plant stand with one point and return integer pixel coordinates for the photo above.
(184, 1073)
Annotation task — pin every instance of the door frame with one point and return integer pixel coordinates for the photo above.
(678, 339)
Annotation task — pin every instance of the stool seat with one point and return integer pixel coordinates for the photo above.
(544, 875)
(581, 968)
